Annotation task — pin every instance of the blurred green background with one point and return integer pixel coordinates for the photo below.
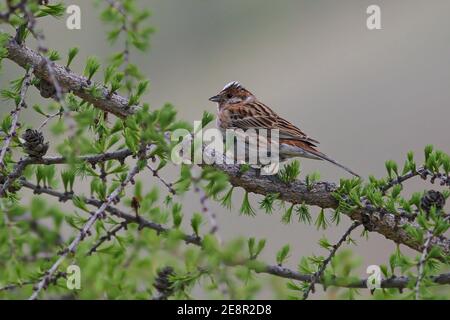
(367, 96)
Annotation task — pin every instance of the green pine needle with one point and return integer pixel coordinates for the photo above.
(226, 200)
(290, 172)
(283, 254)
(196, 221)
(267, 203)
(246, 208)
(92, 66)
(303, 214)
(72, 54)
(287, 216)
(321, 221)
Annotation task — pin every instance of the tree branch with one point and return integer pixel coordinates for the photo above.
(393, 282)
(119, 155)
(275, 270)
(128, 218)
(69, 81)
(321, 194)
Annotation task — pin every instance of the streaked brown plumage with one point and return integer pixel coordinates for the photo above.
(238, 108)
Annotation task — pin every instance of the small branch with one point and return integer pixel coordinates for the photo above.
(128, 218)
(423, 258)
(125, 28)
(210, 214)
(48, 118)
(119, 155)
(423, 173)
(164, 182)
(163, 284)
(401, 179)
(118, 6)
(319, 273)
(17, 285)
(15, 113)
(107, 237)
(393, 282)
(14, 175)
(13, 286)
(421, 264)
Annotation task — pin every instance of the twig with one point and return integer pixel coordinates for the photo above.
(128, 218)
(107, 237)
(210, 214)
(8, 225)
(319, 273)
(421, 264)
(422, 260)
(401, 179)
(15, 174)
(13, 286)
(15, 113)
(48, 118)
(163, 284)
(126, 51)
(164, 182)
(119, 155)
(392, 282)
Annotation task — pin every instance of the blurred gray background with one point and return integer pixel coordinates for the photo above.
(367, 96)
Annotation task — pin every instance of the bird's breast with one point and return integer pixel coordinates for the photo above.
(223, 120)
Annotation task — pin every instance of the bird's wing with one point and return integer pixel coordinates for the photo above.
(256, 115)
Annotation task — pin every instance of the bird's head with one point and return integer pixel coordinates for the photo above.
(233, 93)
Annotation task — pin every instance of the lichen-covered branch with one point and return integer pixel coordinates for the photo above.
(320, 194)
(68, 80)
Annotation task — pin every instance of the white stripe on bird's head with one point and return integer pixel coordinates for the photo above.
(235, 84)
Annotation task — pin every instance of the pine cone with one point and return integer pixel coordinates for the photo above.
(46, 89)
(432, 198)
(162, 282)
(13, 187)
(34, 144)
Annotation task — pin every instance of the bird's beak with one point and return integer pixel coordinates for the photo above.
(215, 98)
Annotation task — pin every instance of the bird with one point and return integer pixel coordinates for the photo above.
(238, 108)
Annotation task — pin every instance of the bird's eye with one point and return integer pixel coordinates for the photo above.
(229, 96)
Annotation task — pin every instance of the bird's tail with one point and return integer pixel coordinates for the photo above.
(309, 151)
(324, 157)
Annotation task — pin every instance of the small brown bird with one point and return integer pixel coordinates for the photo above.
(238, 108)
